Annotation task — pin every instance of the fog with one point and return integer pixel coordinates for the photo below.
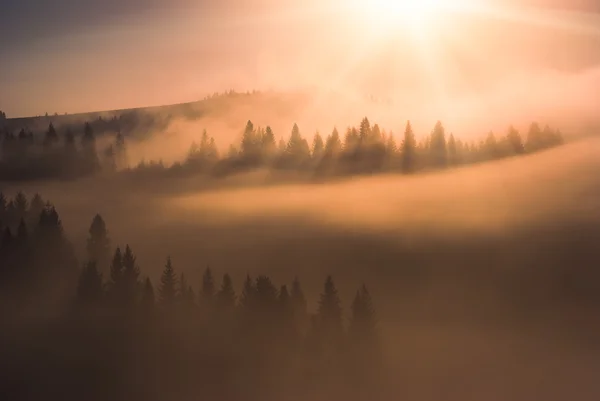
(484, 277)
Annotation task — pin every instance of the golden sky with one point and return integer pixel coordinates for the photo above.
(432, 52)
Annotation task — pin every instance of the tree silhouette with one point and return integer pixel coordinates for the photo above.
(130, 276)
(438, 148)
(115, 284)
(329, 316)
(148, 295)
(98, 243)
(318, 147)
(226, 294)
(515, 141)
(168, 285)
(248, 297)
(408, 149)
(208, 285)
(89, 288)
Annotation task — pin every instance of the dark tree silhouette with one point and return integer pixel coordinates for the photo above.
(226, 294)
(408, 149)
(130, 277)
(89, 289)
(98, 243)
(168, 286)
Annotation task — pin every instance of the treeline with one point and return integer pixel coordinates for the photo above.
(366, 149)
(58, 156)
(123, 337)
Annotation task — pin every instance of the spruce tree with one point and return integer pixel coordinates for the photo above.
(168, 285)
(148, 295)
(208, 285)
(131, 275)
(226, 294)
(330, 312)
(116, 276)
(98, 243)
(318, 147)
(438, 148)
(515, 141)
(409, 150)
(334, 144)
(89, 288)
(247, 299)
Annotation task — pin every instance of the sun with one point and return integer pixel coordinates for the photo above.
(408, 12)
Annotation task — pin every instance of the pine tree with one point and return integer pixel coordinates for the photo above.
(351, 139)
(51, 136)
(376, 135)
(116, 275)
(35, 208)
(21, 206)
(334, 144)
(268, 143)
(130, 277)
(363, 325)
(330, 312)
(318, 147)
(168, 285)
(298, 302)
(186, 294)
(247, 299)
(452, 152)
(22, 234)
(148, 295)
(226, 294)
(364, 133)
(88, 144)
(249, 140)
(89, 288)
(409, 150)
(438, 148)
(208, 285)
(515, 141)
(98, 243)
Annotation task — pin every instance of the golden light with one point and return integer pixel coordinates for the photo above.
(409, 13)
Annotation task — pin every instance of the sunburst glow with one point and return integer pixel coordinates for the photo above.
(410, 12)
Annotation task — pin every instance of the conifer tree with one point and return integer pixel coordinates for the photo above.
(98, 243)
(268, 143)
(89, 288)
(363, 324)
(409, 149)
(438, 148)
(208, 285)
(116, 275)
(248, 296)
(148, 295)
(168, 285)
(317, 147)
(452, 152)
(22, 233)
(298, 302)
(226, 294)
(35, 208)
(515, 141)
(330, 311)
(334, 144)
(351, 139)
(130, 277)
(364, 133)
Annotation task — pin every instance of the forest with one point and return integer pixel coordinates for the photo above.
(113, 334)
(362, 150)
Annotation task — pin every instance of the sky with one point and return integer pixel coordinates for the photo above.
(84, 55)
